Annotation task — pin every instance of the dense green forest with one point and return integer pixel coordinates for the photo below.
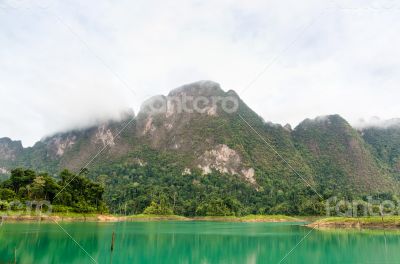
(158, 186)
(74, 193)
(160, 189)
(199, 164)
(136, 189)
(133, 188)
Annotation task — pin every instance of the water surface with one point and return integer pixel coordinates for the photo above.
(193, 242)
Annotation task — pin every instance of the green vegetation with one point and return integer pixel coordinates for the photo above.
(147, 191)
(158, 209)
(150, 217)
(143, 172)
(158, 187)
(385, 144)
(250, 218)
(358, 222)
(371, 219)
(72, 192)
(341, 160)
(270, 217)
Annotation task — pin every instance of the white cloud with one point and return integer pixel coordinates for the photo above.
(65, 63)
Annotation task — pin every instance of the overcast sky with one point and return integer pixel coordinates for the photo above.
(65, 64)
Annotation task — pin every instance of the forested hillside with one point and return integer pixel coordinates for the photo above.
(216, 162)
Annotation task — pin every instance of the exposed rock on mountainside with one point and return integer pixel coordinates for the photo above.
(10, 150)
(105, 136)
(58, 144)
(4, 171)
(166, 121)
(194, 130)
(225, 160)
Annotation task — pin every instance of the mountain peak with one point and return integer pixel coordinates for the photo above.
(9, 141)
(192, 132)
(9, 149)
(199, 88)
(201, 97)
(325, 121)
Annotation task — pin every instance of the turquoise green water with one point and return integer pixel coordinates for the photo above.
(193, 242)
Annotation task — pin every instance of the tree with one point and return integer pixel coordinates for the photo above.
(20, 177)
(7, 194)
(77, 194)
(37, 189)
(158, 209)
(213, 207)
(80, 193)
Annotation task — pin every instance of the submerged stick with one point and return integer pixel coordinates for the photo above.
(112, 242)
(112, 246)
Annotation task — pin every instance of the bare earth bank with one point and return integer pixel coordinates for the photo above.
(114, 218)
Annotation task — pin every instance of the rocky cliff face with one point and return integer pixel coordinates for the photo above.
(163, 118)
(225, 160)
(57, 145)
(9, 150)
(200, 127)
(190, 121)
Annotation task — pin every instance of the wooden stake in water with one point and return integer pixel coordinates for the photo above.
(112, 245)
(112, 242)
(15, 255)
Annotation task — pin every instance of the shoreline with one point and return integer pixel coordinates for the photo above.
(373, 222)
(146, 218)
(319, 223)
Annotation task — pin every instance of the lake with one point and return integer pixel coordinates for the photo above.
(193, 242)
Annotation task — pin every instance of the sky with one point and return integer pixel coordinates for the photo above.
(68, 64)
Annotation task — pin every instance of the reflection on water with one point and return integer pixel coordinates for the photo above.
(193, 242)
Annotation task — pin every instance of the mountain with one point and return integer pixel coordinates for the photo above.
(384, 138)
(199, 147)
(339, 155)
(10, 152)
